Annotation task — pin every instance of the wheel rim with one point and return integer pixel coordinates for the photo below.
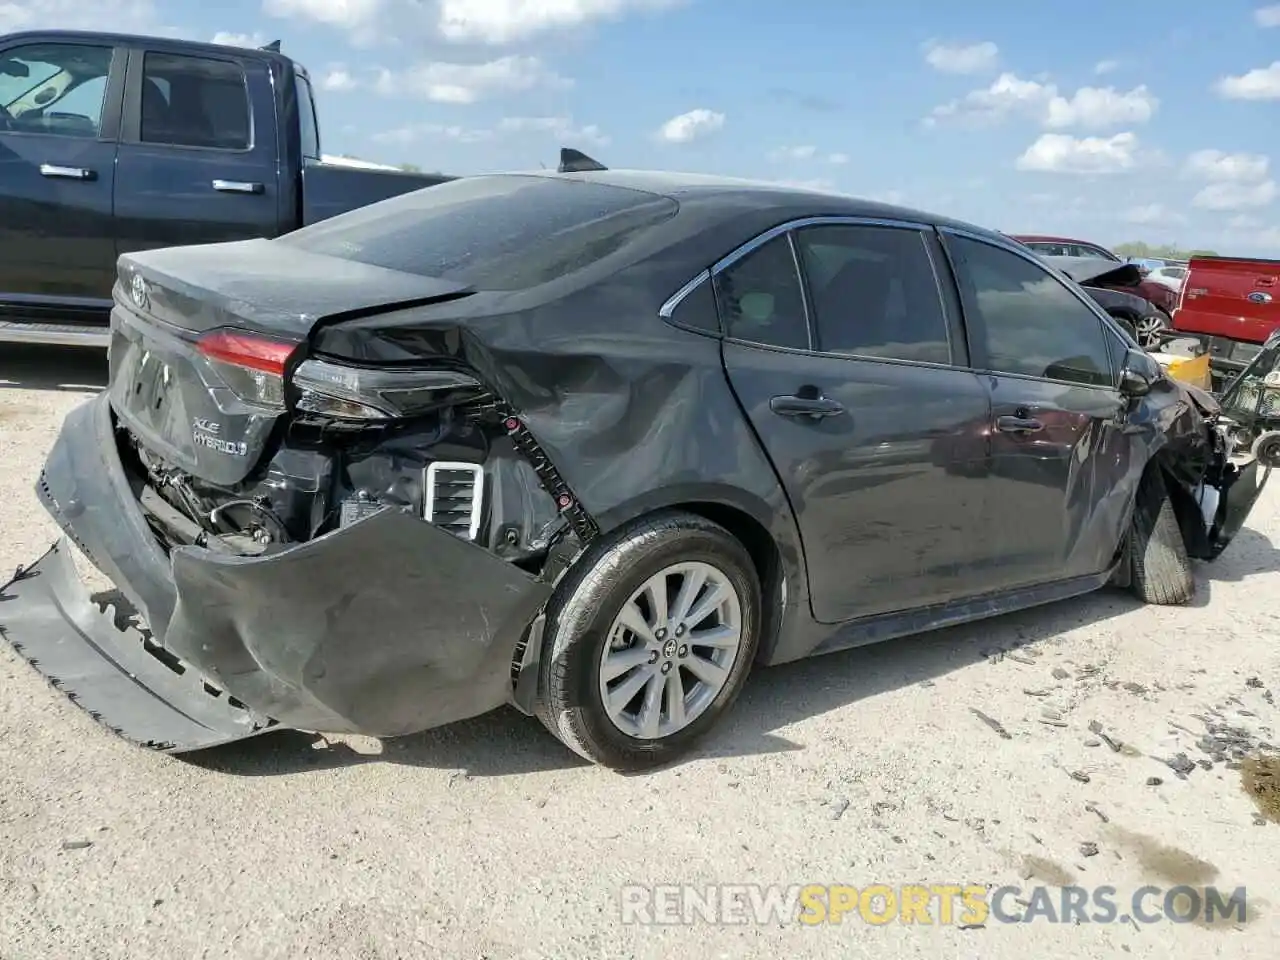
(670, 650)
(1148, 329)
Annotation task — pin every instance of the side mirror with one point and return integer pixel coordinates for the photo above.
(1138, 374)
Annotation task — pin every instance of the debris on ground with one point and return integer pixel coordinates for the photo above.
(1253, 682)
(1154, 781)
(1080, 775)
(838, 807)
(993, 723)
(1060, 674)
(1181, 765)
(1093, 808)
(76, 844)
(1088, 849)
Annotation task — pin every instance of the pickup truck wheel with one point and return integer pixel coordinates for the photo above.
(650, 643)
(1160, 571)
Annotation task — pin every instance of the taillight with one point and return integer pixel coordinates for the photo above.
(367, 393)
(253, 367)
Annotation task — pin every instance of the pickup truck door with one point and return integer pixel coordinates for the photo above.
(59, 118)
(198, 150)
(1231, 297)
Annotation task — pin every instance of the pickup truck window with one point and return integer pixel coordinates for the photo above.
(195, 102)
(309, 129)
(54, 88)
(504, 232)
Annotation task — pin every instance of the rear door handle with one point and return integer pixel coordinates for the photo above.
(813, 407)
(236, 186)
(65, 173)
(1018, 425)
(1265, 281)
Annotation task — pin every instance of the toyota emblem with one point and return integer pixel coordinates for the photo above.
(139, 290)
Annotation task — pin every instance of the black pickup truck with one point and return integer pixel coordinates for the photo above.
(111, 144)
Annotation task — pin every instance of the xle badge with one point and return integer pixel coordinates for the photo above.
(205, 433)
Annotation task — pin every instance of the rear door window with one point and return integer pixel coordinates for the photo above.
(874, 293)
(505, 232)
(195, 102)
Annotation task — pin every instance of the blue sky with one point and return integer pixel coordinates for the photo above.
(1103, 120)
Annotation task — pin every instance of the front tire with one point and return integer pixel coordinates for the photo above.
(1159, 571)
(650, 642)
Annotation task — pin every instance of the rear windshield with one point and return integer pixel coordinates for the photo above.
(492, 232)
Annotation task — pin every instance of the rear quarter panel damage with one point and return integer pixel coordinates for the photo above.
(385, 627)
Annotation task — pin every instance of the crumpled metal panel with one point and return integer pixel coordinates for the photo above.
(97, 652)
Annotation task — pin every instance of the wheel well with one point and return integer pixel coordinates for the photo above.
(1186, 510)
(765, 557)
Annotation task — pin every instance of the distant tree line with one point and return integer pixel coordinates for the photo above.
(1164, 251)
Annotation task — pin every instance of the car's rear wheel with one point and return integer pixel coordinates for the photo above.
(1159, 571)
(650, 642)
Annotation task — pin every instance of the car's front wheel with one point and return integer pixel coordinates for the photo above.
(650, 642)
(1159, 569)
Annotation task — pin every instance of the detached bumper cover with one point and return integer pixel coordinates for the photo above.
(386, 627)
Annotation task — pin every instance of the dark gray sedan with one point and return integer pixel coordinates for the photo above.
(596, 444)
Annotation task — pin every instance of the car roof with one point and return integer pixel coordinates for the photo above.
(143, 40)
(1037, 238)
(761, 195)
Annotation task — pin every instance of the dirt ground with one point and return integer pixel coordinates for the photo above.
(1093, 742)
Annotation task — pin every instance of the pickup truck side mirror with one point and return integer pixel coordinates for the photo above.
(1138, 373)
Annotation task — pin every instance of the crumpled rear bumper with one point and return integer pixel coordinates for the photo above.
(386, 627)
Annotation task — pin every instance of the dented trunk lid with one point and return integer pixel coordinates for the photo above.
(179, 402)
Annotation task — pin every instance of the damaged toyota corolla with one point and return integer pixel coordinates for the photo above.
(593, 444)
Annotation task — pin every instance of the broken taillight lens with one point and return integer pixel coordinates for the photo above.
(253, 367)
(368, 393)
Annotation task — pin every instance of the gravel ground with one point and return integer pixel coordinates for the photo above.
(487, 839)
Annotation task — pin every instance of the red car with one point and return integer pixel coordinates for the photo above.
(1157, 293)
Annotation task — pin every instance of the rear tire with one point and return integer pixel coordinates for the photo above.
(620, 581)
(1159, 571)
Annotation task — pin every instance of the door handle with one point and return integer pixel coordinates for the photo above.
(65, 173)
(813, 407)
(1265, 281)
(236, 186)
(1018, 425)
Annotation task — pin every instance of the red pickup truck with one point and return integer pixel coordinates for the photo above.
(1231, 304)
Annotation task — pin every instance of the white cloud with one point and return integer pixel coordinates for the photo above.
(442, 82)
(507, 21)
(1063, 153)
(413, 132)
(1089, 107)
(691, 126)
(339, 80)
(1268, 16)
(251, 41)
(350, 14)
(838, 158)
(1103, 67)
(793, 153)
(1097, 107)
(961, 58)
(1260, 84)
(1230, 195)
(1220, 166)
(561, 129)
(1152, 213)
(125, 15)
(1007, 95)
